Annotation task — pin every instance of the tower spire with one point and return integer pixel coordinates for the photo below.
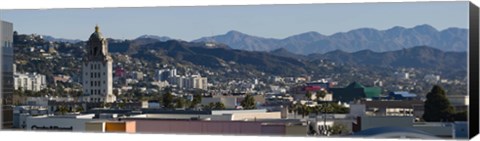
(97, 28)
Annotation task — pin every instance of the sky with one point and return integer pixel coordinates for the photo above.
(271, 21)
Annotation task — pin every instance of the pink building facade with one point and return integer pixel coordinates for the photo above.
(209, 127)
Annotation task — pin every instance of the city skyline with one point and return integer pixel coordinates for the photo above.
(270, 21)
(259, 87)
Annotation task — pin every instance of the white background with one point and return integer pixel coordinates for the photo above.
(66, 136)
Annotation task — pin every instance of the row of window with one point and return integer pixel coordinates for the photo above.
(96, 99)
(95, 74)
(96, 92)
(95, 66)
(7, 44)
(95, 83)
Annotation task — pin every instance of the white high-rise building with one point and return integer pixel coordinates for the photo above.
(30, 81)
(97, 70)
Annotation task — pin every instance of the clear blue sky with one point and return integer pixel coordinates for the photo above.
(273, 21)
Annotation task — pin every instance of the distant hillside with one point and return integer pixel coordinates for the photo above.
(281, 60)
(238, 40)
(415, 57)
(285, 53)
(199, 54)
(52, 39)
(451, 39)
(159, 38)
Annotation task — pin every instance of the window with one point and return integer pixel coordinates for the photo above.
(91, 66)
(91, 92)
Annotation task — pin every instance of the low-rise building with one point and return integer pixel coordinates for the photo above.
(232, 101)
(437, 129)
(111, 126)
(188, 126)
(355, 91)
(73, 122)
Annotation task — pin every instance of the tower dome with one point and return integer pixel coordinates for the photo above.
(97, 35)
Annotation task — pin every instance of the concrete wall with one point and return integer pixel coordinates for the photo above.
(381, 121)
(296, 130)
(436, 128)
(273, 129)
(253, 116)
(95, 127)
(75, 124)
(111, 126)
(224, 117)
(357, 109)
(459, 100)
(130, 127)
(229, 101)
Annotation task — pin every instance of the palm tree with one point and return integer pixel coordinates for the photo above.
(62, 109)
(321, 94)
(295, 108)
(79, 109)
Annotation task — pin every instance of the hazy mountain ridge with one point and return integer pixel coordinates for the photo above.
(451, 39)
(159, 38)
(415, 57)
(281, 61)
(53, 39)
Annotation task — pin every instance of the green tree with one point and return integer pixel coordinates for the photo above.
(121, 105)
(167, 100)
(180, 103)
(308, 95)
(248, 102)
(108, 105)
(209, 106)
(79, 109)
(321, 94)
(437, 106)
(304, 110)
(337, 129)
(62, 110)
(197, 99)
(219, 106)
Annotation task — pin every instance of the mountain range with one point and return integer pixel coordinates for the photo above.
(281, 61)
(414, 57)
(396, 38)
(217, 56)
(53, 39)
